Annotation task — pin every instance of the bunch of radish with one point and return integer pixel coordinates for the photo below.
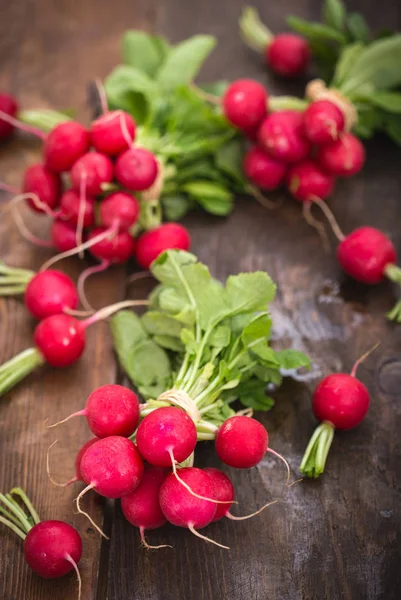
(155, 477)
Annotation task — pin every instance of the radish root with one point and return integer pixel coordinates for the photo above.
(82, 512)
(148, 546)
(206, 539)
(74, 564)
(73, 480)
(234, 518)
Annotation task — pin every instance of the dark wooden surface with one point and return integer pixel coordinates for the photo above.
(337, 538)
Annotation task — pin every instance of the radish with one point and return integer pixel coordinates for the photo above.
(73, 207)
(116, 249)
(343, 158)
(262, 170)
(323, 122)
(136, 169)
(245, 103)
(45, 184)
(182, 508)
(50, 293)
(9, 106)
(141, 507)
(77, 476)
(63, 236)
(340, 401)
(113, 132)
(93, 169)
(281, 134)
(166, 435)
(64, 145)
(52, 549)
(166, 237)
(241, 442)
(120, 207)
(307, 182)
(287, 54)
(110, 410)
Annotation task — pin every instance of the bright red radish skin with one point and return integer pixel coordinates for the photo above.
(324, 122)
(116, 249)
(365, 253)
(262, 170)
(342, 400)
(112, 466)
(224, 491)
(70, 207)
(48, 544)
(136, 169)
(241, 442)
(64, 145)
(170, 236)
(165, 433)
(60, 339)
(343, 158)
(8, 105)
(39, 180)
(245, 103)
(119, 207)
(113, 132)
(63, 235)
(50, 293)
(307, 182)
(92, 169)
(281, 134)
(288, 54)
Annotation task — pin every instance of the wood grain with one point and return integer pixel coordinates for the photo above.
(337, 538)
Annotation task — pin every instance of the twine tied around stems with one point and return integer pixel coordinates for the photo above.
(317, 90)
(181, 399)
(155, 190)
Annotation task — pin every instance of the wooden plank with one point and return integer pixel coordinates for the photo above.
(337, 538)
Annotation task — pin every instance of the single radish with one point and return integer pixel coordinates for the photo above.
(245, 103)
(262, 170)
(9, 106)
(113, 132)
(73, 207)
(63, 235)
(77, 476)
(281, 134)
(307, 182)
(323, 122)
(182, 508)
(64, 145)
(50, 293)
(166, 435)
(141, 507)
(136, 169)
(45, 184)
(93, 169)
(110, 410)
(166, 237)
(241, 442)
(52, 549)
(115, 249)
(343, 158)
(340, 401)
(287, 54)
(120, 207)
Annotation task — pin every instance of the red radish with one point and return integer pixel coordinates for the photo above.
(50, 293)
(60, 339)
(110, 410)
(45, 184)
(281, 134)
(141, 507)
(166, 435)
(63, 235)
(262, 170)
(224, 491)
(288, 54)
(120, 207)
(343, 158)
(241, 442)
(136, 169)
(324, 122)
(340, 401)
(71, 207)
(9, 106)
(166, 237)
(64, 145)
(92, 169)
(307, 182)
(117, 248)
(77, 476)
(51, 548)
(113, 132)
(245, 103)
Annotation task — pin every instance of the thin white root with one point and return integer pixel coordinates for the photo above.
(81, 215)
(284, 461)
(310, 219)
(82, 280)
(75, 414)
(206, 539)
(245, 412)
(26, 234)
(73, 480)
(330, 217)
(263, 201)
(102, 95)
(362, 358)
(82, 512)
(74, 564)
(124, 130)
(35, 199)
(137, 276)
(234, 518)
(148, 546)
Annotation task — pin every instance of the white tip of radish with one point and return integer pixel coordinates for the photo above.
(74, 564)
(206, 539)
(148, 546)
(234, 518)
(82, 512)
(72, 480)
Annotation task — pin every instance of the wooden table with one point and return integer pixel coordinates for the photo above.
(337, 538)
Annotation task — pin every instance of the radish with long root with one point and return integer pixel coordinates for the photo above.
(52, 549)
